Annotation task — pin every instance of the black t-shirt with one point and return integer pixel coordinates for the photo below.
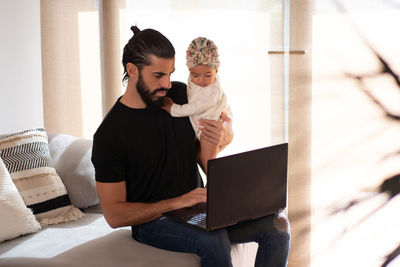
(154, 153)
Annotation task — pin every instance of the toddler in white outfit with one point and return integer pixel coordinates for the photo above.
(206, 100)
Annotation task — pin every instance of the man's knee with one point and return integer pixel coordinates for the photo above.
(281, 223)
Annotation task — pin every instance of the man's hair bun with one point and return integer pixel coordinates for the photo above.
(135, 29)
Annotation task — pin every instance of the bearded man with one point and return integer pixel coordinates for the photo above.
(146, 163)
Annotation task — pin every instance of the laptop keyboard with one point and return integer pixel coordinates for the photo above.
(196, 214)
(199, 219)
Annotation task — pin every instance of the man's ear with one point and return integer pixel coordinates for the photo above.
(132, 71)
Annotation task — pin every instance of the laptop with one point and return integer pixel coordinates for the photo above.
(240, 187)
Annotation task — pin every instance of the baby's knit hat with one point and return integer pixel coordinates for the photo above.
(202, 51)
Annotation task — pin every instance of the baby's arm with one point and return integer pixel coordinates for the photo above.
(204, 100)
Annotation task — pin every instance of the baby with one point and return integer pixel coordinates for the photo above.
(206, 100)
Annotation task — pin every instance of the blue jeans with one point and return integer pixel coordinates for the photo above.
(270, 232)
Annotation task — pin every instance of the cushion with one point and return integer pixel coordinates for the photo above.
(72, 161)
(90, 241)
(27, 158)
(16, 218)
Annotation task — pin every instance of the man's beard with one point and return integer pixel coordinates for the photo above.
(149, 97)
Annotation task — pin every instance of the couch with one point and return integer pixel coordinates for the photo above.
(89, 240)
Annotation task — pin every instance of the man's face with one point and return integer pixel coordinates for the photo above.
(154, 81)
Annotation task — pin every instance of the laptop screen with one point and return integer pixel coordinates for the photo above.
(247, 185)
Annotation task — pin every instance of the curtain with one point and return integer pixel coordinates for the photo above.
(112, 53)
(76, 82)
(300, 68)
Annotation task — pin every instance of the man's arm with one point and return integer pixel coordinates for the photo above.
(118, 212)
(217, 132)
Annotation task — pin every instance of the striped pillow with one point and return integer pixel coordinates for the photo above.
(27, 158)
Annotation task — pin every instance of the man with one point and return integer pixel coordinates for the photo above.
(146, 164)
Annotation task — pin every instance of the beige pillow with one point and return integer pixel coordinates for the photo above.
(27, 158)
(16, 218)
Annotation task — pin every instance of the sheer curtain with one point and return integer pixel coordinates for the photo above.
(80, 63)
(299, 200)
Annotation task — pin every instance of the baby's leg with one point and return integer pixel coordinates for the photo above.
(208, 151)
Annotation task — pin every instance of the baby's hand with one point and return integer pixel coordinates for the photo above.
(167, 104)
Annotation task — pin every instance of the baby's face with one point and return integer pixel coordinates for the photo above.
(202, 75)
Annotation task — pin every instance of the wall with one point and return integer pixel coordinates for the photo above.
(21, 103)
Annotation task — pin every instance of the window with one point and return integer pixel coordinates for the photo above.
(244, 31)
